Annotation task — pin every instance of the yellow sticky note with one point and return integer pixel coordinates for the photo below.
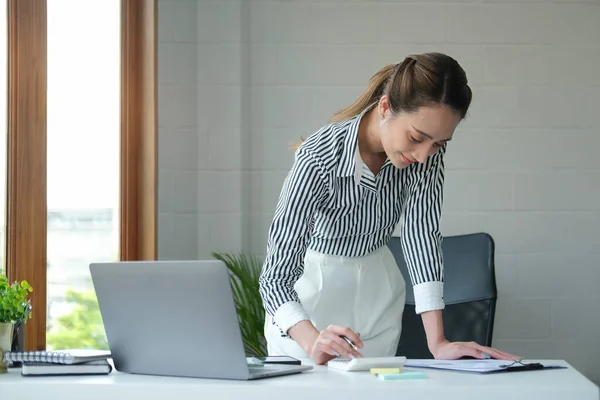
(377, 371)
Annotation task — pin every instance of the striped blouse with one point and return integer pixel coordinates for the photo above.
(332, 203)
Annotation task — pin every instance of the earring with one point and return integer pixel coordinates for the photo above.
(380, 116)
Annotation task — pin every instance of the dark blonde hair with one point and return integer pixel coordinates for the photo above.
(428, 79)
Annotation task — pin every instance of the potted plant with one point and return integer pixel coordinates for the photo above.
(245, 271)
(15, 309)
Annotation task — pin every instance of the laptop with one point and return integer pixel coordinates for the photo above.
(175, 318)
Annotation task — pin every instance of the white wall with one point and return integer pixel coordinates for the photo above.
(199, 117)
(240, 80)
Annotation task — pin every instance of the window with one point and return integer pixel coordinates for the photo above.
(83, 164)
(81, 154)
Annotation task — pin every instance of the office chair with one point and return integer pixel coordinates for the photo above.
(469, 294)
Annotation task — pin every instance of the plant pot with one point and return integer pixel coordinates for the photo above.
(6, 334)
(18, 338)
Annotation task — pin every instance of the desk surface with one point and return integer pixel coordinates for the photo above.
(319, 383)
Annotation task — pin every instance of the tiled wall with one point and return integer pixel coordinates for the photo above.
(240, 80)
(200, 150)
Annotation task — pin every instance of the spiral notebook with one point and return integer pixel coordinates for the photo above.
(75, 356)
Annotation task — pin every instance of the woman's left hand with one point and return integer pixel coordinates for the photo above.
(447, 350)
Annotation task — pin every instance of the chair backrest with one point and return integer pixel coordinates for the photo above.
(469, 294)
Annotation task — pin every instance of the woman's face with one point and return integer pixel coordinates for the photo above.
(410, 138)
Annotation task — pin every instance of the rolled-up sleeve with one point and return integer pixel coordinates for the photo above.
(421, 237)
(304, 189)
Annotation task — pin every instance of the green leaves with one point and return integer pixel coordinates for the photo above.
(14, 304)
(245, 271)
(82, 327)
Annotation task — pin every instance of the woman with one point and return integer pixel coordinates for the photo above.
(328, 274)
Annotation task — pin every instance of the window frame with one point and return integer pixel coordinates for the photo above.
(26, 212)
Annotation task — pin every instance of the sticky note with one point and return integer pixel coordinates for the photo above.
(402, 375)
(386, 370)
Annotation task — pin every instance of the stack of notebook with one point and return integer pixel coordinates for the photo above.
(63, 362)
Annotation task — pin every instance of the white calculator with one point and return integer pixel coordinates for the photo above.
(366, 363)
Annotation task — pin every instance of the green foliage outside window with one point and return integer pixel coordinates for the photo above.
(82, 327)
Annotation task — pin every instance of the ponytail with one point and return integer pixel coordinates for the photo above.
(372, 93)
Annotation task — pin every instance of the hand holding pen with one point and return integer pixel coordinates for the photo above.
(338, 341)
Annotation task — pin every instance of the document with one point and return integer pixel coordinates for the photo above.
(479, 366)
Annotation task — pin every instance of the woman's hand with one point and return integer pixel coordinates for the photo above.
(442, 349)
(446, 350)
(330, 344)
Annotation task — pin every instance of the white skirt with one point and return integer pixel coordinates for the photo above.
(366, 294)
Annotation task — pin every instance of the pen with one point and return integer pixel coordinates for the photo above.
(350, 342)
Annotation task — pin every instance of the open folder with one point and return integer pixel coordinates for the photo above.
(480, 366)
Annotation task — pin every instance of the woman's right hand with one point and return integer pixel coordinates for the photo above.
(330, 344)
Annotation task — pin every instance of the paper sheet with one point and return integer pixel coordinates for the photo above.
(461, 365)
(481, 366)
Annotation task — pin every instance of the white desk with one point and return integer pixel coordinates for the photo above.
(319, 383)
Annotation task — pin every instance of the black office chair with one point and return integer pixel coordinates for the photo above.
(469, 294)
